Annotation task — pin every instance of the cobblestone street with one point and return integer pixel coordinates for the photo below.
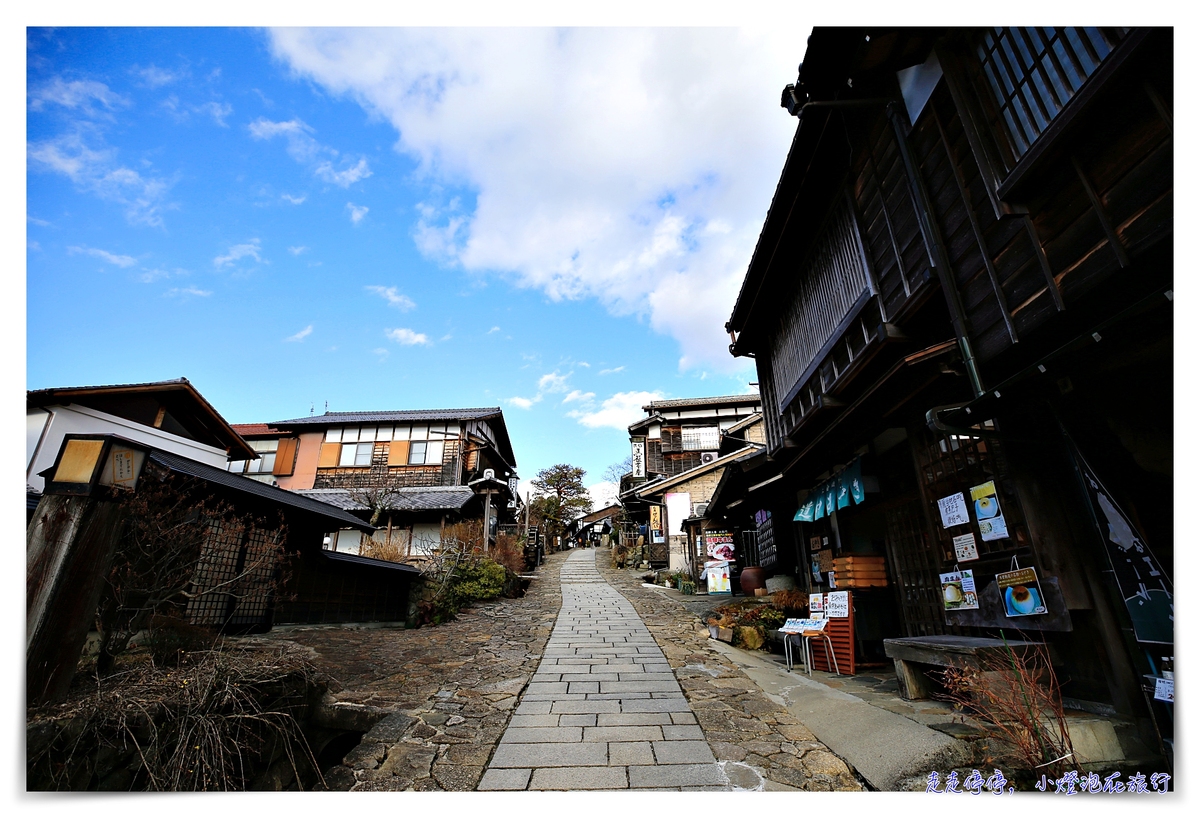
(462, 698)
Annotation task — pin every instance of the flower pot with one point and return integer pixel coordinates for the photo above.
(753, 577)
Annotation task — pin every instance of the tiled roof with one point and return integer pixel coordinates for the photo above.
(335, 418)
(236, 482)
(683, 403)
(255, 429)
(355, 559)
(425, 498)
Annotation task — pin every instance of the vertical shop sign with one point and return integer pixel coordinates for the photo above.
(1145, 587)
(656, 525)
(638, 456)
(987, 512)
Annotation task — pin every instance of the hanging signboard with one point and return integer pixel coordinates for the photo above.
(1021, 592)
(964, 548)
(638, 456)
(837, 604)
(987, 512)
(953, 510)
(958, 591)
(1145, 587)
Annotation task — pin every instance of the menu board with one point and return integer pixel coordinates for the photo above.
(837, 604)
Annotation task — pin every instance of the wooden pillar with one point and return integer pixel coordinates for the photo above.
(68, 550)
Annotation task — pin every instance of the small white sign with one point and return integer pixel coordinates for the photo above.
(837, 604)
(964, 548)
(1164, 690)
(954, 510)
(816, 603)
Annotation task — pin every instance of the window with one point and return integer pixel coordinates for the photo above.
(333, 435)
(266, 458)
(701, 438)
(356, 454)
(1032, 72)
(416, 452)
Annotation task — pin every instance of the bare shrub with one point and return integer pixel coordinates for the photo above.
(1018, 694)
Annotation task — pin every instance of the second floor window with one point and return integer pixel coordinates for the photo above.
(1030, 74)
(701, 438)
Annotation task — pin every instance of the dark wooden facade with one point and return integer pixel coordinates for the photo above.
(965, 276)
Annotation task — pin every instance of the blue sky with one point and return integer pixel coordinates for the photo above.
(555, 221)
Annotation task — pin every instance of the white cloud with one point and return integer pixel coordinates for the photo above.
(553, 382)
(299, 250)
(154, 77)
(183, 291)
(301, 335)
(96, 170)
(33, 245)
(407, 337)
(576, 396)
(356, 213)
(618, 411)
(492, 331)
(525, 403)
(77, 95)
(612, 371)
(217, 110)
(111, 258)
(150, 276)
(633, 166)
(295, 199)
(394, 298)
(250, 249)
(306, 150)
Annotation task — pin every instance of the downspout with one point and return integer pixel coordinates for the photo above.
(939, 257)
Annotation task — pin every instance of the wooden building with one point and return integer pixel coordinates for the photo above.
(423, 467)
(964, 279)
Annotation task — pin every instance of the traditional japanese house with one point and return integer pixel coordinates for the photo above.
(413, 471)
(675, 437)
(960, 309)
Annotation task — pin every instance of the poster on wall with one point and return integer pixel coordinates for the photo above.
(825, 560)
(964, 548)
(1021, 592)
(987, 512)
(953, 510)
(716, 575)
(958, 591)
(718, 545)
(816, 603)
(837, 604)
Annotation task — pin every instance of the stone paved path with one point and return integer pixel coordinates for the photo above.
(604, 710)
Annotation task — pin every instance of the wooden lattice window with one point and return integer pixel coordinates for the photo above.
(1032, 72)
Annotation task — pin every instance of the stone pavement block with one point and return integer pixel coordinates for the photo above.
(644, 676)
(550, 755)
(683, 718)
(677, 732)
(626, 733)
(588, 677)
(540, 735)
(579, 778)
(683, 752)
(580, 720)
(546, 687)
(625, 753)
(616, 697)
(677, 775)
(553, 697)
(632, 719)
(584, 687)
(588, 706)
(495, 779)
(653, 706)
(548, 720)
(639, 687)
(533, 708)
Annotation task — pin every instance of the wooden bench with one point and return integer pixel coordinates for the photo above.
(910, 652)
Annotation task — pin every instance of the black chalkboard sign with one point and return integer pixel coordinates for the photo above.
(766, 539)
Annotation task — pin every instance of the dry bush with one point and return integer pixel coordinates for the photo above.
(1019, 695)
(509, 551)
(792, 603)
(388, 551)
(215, 722)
